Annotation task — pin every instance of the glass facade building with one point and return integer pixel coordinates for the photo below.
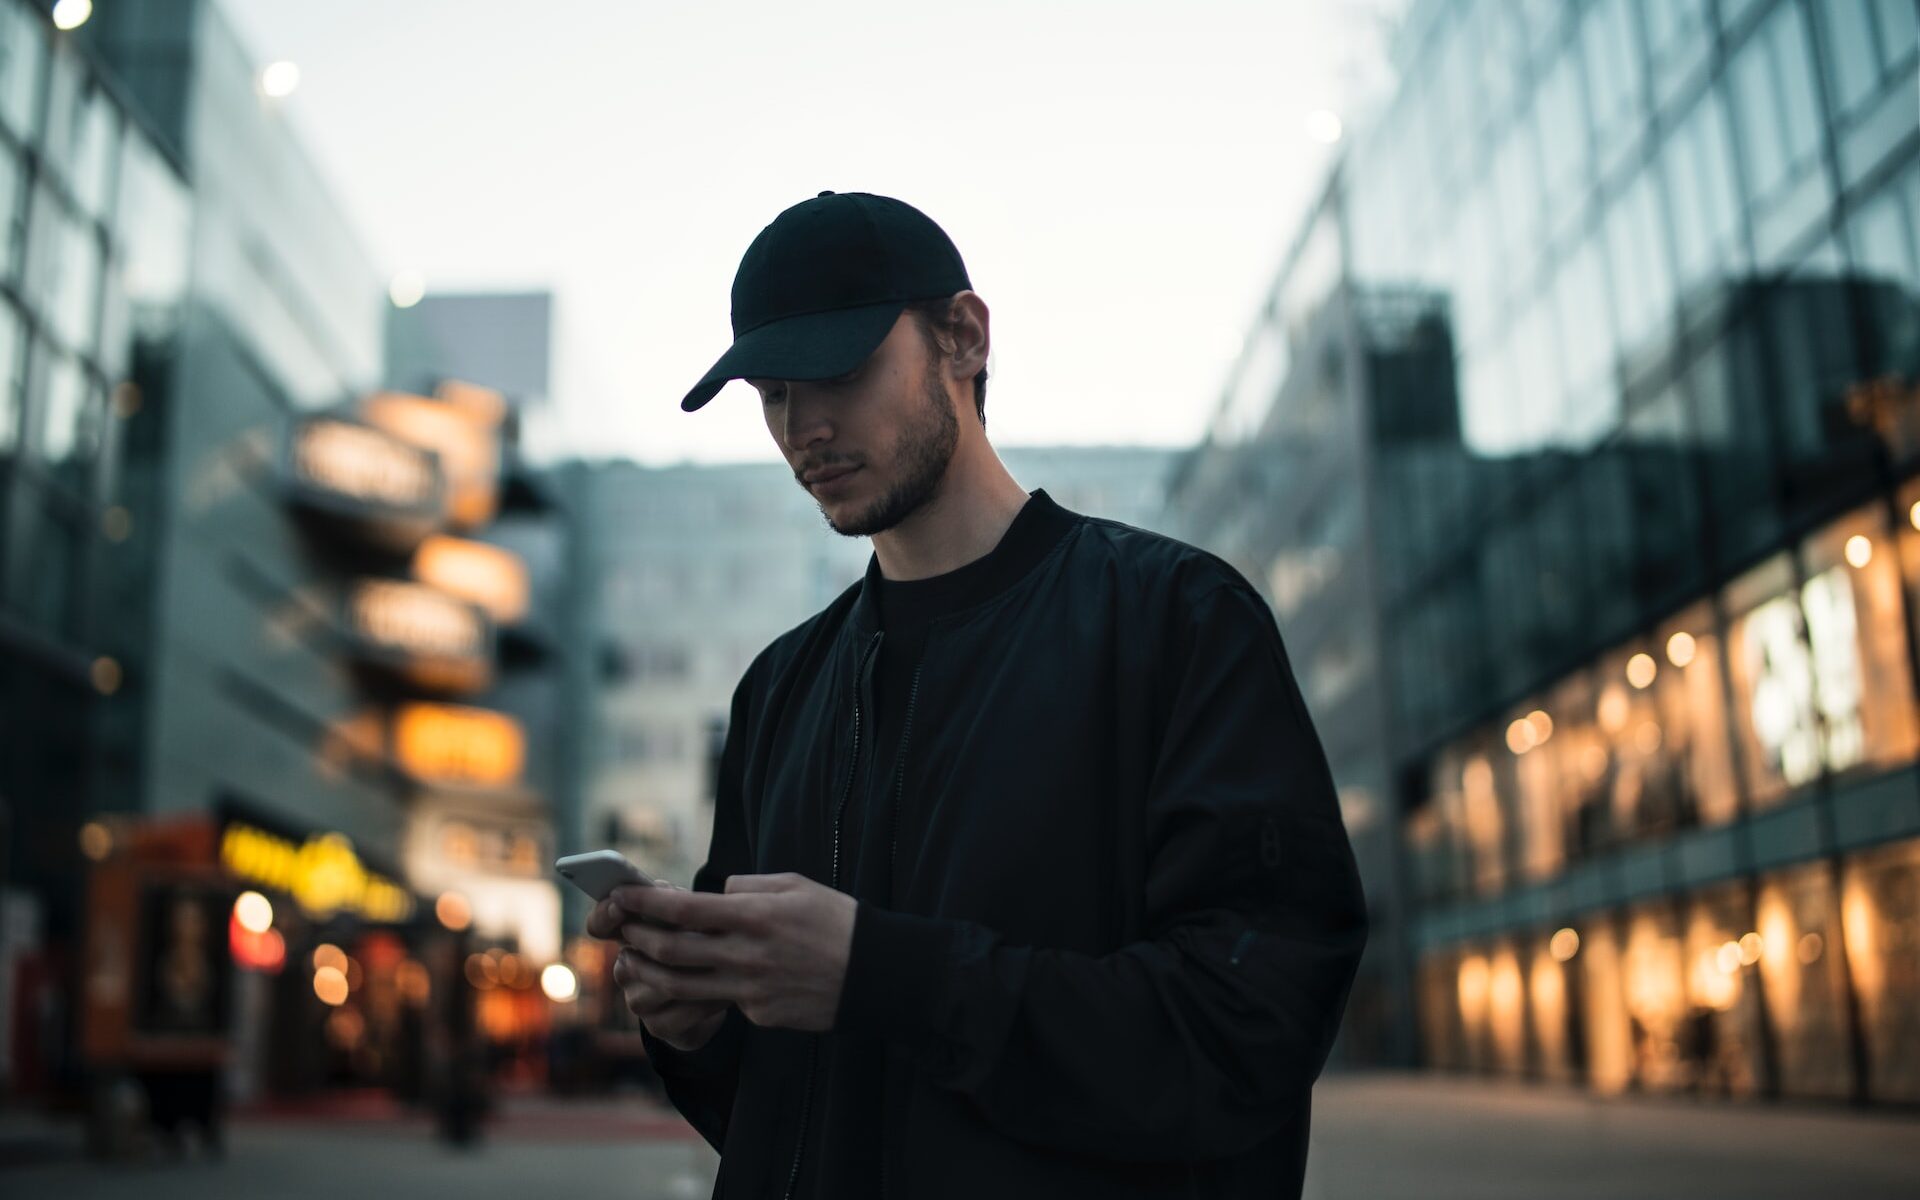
(1621, 303)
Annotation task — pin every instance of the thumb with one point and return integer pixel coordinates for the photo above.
(760, 883)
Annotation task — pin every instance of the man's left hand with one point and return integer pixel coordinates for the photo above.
(774, 945)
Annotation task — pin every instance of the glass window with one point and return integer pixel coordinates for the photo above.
(90, 170)
(12, 358)
(1499, 55)
(23, 54)
(1507, 1009)
(1516, 181)
(65, 427)
(1806, 997)
(1587, 347)
(1656, 997)
(1773, 683)
(43, 560)
(1661, 520)
(1474, 987)
(1696, 740)
(1721, 1039)
(13, 235)
(154, 223)
(1579, 750)
(1880, 918)
(1853, 66)
(1899, 29)
(1854, 619)
(1610, 1040)
(1882, 237)
(1728, 385)
(1550, 1011)
(1484, 816)
(64, 273)
(1776, 108)
(1614, 67)
(1697, 166)
(1561, 116)
(1636, 245)
(1538, 801)
(1644, 789)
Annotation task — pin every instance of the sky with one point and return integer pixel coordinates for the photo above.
(1121, 178)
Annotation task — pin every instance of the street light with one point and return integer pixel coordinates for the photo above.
(71, 14)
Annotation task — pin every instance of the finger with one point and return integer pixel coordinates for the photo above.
(604, 919)
(707, 912)
(685, 948)
(781, 882)
(671, 984)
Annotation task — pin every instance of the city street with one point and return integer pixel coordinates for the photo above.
(1375, 1136)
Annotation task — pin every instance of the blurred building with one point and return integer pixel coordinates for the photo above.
(243, 621)
(1610, 315)
(695, 570)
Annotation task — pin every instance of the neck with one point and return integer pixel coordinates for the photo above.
(976, 502)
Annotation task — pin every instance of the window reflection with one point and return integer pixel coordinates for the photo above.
(1862, 680)
(1440, 1010)
(1805, 996)
(1720, 1042)
(1656, 1000)
(1690, 696)
(1609, 1040)
(1551, 995)
(1772, 671)
(1880, 916)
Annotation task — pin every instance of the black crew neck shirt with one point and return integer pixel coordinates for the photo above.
(852, 1072)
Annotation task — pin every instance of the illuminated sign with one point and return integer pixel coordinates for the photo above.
(461, 434)
(323, 875)
(452, 744)
(361, 464)
(490, 576)
(414, 620)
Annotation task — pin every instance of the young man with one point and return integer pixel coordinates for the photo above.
(1027, 876)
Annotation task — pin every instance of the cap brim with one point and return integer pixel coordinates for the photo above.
(811, 346)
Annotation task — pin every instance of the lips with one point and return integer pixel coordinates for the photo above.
(827, 474)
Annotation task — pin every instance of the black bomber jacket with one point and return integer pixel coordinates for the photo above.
(1122, 915)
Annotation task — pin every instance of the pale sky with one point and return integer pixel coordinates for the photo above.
(1121, 178)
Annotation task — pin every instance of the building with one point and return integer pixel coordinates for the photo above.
(696, 569)
(1638, 532)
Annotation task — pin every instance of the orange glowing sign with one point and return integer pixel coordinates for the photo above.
(417, 621)
(457, 745)
(461, 433)
(362, 464)
(490, 576)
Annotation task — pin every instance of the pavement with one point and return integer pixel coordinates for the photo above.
(1375, 1137)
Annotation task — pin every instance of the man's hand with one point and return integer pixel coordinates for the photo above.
(775, 945)
(682, 1024)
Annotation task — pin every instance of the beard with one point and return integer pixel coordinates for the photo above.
(926, 446)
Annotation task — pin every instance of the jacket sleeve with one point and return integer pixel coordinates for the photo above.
(1202, 1039)
(701, 1082)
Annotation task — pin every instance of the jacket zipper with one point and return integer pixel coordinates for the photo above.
(853, 768)
(893, 838)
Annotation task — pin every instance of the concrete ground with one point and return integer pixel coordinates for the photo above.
(1375, 1138)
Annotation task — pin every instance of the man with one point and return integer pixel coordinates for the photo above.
(1027, 877)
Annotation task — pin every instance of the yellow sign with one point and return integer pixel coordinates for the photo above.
(490, 576)
(453, 744)
(323, 876)
(363, 464)
(420, 621)
(467, 442)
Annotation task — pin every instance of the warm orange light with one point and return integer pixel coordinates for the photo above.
(1641, 670)
(413, 981)
(1521, 736)
(454, 744)
(1859, 550)
(1727, 958)
(326, 954)
(1750, 947)
(1614, 708)
(1811, 947)
(106, 675)
(96, 841)
(1542, 724)
(1680, 648)
(490, 576)
(481, 972)
(1913, 515)
(330, 984)
(1565, 944)
(467, 443)
(453, 910)
(415, 619)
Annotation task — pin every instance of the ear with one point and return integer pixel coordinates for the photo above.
(971, 335)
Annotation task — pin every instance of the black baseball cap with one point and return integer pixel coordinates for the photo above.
(821, 287)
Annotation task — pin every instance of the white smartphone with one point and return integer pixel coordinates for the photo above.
(598, 872)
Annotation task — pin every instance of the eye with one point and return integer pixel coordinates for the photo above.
(773, 393)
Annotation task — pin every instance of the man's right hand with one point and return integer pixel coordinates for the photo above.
(683, 1024)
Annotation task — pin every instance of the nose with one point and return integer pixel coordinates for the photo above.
(806, 418)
